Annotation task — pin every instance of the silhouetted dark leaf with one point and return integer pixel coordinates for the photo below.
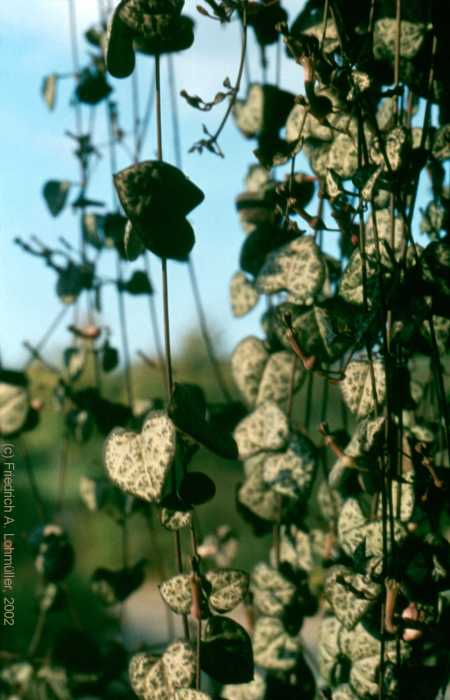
(187, 409)
(55, 193)
(115, 586)
(138, 283)
(226, 651)
(197, 488)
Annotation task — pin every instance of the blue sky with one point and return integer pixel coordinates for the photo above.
(35, 149)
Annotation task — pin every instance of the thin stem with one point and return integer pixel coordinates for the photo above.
(206, 335)
(237, 85)
(213, 360)
(147, 118)
(165, 282)
(154, 322)
(325, 23)
(124, 333)
(165, 286)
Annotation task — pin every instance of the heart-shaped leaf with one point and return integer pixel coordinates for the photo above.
(138, 283)
(228, 588)
(247, 365)
(138, 463)
(273, 648)
(115, 586)
(297, 268)
(224, 589)
(177, 593)
(55, 193)
(157, 197)
(196, 488)
(243, 295)
(187, 409)
(158, 679)
(226, 651)
(265, 109)
(264, 429)
(350, 595)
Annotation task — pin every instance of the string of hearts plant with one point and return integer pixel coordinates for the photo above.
(361, 543)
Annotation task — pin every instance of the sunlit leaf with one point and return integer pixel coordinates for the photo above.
(139, 463)
(158, 679)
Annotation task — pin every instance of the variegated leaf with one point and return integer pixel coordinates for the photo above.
(271, 591)
(351, 525)
(177, 593)
(275, 384)
(258, 498)
(273, 648)
(138, 463)
(297, 268)
(264, 429)
(14, 407)
(292, 472)
(158, 679)
(247, 365)
(350, 595)
(295, 548)
(359, 388)
(328, 646)
(243, 295)
(228, 588)
(254, 690)
(175, 519)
